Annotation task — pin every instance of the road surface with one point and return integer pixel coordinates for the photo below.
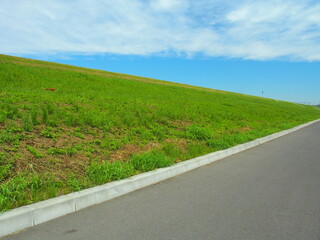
(269, 192)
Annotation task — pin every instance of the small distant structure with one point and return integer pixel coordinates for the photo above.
(50, 89)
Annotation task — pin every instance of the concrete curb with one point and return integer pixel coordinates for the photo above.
(31, 215)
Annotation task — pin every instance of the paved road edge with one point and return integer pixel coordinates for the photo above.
(31, 215)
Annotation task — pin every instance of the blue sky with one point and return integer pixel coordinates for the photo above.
(242, 46)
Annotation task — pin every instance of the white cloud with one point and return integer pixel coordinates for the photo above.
(244, 29)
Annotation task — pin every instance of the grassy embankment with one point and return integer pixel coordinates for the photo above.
(100, 126)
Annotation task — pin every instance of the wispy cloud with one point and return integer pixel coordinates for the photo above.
(246, 29)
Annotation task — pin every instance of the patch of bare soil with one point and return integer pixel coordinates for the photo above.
(130, 149)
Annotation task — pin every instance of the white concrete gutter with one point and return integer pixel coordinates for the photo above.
(33, 214)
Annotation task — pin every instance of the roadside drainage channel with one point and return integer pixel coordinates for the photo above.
(34, 214)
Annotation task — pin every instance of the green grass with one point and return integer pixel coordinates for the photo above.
(34, 152)
(150, 160)
(100, 173)
(100, 126)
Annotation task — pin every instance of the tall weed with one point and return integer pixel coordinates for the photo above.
(100, 173)
(151, 160)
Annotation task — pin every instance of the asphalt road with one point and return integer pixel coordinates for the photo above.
(269, 192)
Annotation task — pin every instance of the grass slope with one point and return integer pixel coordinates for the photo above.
(100, 126)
